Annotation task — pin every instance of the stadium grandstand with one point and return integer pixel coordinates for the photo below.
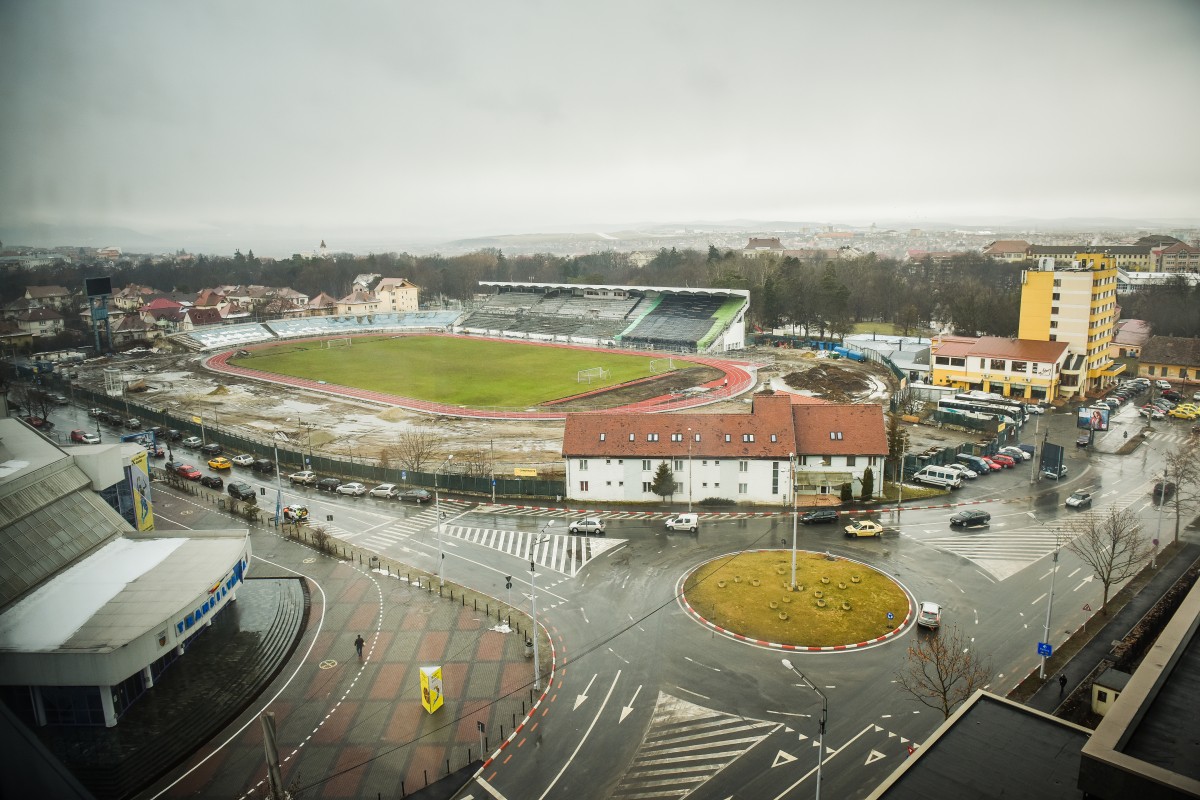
(645, 317)
(219, 337)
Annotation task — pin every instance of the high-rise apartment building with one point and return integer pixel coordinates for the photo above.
(1074, 303)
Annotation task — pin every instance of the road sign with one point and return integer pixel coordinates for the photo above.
(479, 726)
(403, 474)
(524, 472)
(891, 615)
(1045, 650)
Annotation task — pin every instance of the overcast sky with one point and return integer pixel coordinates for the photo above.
(471, 118)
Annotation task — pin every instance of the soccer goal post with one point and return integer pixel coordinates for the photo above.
(659, 365)
(592, 374)
(344, 341)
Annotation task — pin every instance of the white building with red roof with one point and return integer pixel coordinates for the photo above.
(749, 458)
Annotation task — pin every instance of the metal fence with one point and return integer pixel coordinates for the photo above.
(294, 459)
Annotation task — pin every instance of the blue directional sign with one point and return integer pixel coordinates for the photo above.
(403, 474)
(1045, 650)
(891, 615)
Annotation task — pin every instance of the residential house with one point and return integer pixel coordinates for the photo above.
(193, 318)
(40, 322)
(133, 297)
(358, 303)
(1129, 336)
(1171, 358)
(749, 458)
(132, 328)
(759, 246)
(1076, 304)
(364, 282)
(1008, 250)
(55, 297)
(1024, 369)
(397, 294)
(321, 305)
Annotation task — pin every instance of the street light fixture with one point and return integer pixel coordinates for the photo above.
(437, 504)
(824, 718)
(1050, 601)
(542, 537)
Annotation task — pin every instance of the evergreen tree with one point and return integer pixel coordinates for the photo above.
(868, 484)
(664, 481)
(847, 493)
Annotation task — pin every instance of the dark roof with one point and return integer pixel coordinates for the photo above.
(1072, 249)
(1172, 350)
(992, 747)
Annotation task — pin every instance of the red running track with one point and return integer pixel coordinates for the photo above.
(738, 378)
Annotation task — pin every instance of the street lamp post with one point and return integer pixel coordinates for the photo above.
(537, 672)
(278, 480)
(824, 718)
(1049, 607)
(792, 456)
(1162, 496)
(437, 504)
(689, 443)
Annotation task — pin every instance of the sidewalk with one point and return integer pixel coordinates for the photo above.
(1050, 696)
(351, 728)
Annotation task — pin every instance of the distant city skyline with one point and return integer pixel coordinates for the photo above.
(428, 123)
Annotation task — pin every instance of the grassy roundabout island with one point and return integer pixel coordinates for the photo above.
(837, 602)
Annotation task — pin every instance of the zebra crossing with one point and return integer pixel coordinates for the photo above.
(1176, 435)
(643, 516)
(685, 746)
(399, 531)
(1003, 552)
(565, 554)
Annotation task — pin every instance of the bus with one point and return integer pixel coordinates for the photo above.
(1010, 412)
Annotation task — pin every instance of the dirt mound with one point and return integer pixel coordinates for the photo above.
(830, 381)
(671, 382)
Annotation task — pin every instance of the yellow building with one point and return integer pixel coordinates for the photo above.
(1074, 303)
(1017, 368)
(1171, 358)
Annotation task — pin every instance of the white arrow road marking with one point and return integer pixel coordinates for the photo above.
(783, 758)
(584, 739)
(1086, 580)
(873, 757)
(627, 710)
(582, 698)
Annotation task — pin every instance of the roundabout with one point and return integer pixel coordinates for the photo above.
(838, 603)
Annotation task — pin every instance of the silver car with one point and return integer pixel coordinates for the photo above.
(387, 491)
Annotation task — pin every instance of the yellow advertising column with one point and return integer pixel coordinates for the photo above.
(431, 688)
(139, 471)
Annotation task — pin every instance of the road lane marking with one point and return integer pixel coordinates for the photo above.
(584, 739)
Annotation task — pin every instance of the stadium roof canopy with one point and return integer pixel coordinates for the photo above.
(612, 287)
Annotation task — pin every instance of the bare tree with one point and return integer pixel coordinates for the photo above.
(1184, 471)
(476, 463)
(941, 671)
(33, 401)
(1111, 544)
(418, 448)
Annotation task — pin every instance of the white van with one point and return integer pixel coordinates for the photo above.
(684, 522)
(938, 476)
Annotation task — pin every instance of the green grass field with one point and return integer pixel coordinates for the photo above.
(458, 371)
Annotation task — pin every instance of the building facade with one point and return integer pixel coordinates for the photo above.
(1023, 369)
(749, 458)
(397, 294)
(1171, 358)
(1075, 304)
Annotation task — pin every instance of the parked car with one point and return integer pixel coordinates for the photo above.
(1162, 384)
(1052, 474)
(1003, 460)
(212, 449)
(58, 399)
(993, 465)
(587, 526)
(1182, 412)
(243, 460)
(111, 418)
(1083, 440)
(388, 491)
(155, 451)
(84, 437)
(416, 495)
(95, 412)
(1033, 408)
(328, 484)
(684, 522)
(305, 478)
(192, 441)
(263, 466)
(212, 481)
(1163, 490)
(963, 471)
(1152, 413)
(220, 462)
(1016, 453)
(39, 422)
(864, 527)
(354, 489)
(242, 491)
(188, 471)
(929, 615)
(1113, 402)
(1196, 396)
(172, 435)
(972, 518)
(819, 516)
(1172, 395)
(297, 514)
(1080, 499)
(133, 423)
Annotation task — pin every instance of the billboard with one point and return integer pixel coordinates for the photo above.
(143, 515)
(1093, 419)
(97, 287)
(431, 688)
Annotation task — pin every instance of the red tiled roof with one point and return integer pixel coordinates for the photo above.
(840, 430)
(1022, 349)
(953, 345)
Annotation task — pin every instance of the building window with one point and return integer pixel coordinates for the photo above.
(583, 465)
(1053, 309)
(747, 437)
(1055, 297)
(1101, 696)
(631, 437)
(1183, 373)
(743, 466)
(583, 486)
(850, 461)
(651, 437)
(743, 488)
(676, 437)
(727, 438)
(646, 464)
(1020, 366)
(998, 364)
(774, 438)
(958, 362)
(602, 437)
(646, 487)
(942, 360)
(678, 465)
(1149, 370)
(826, 461)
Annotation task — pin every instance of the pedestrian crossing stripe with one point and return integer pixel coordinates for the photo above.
(566, 554)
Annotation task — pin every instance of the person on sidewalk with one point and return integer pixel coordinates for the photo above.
(358, 645)
(1062, 680)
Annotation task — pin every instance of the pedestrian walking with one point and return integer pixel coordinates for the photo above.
(1062, 683)
(358, 645)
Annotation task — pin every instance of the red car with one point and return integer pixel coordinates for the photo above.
(1003, 460)
(188, 471)
(993, 465)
